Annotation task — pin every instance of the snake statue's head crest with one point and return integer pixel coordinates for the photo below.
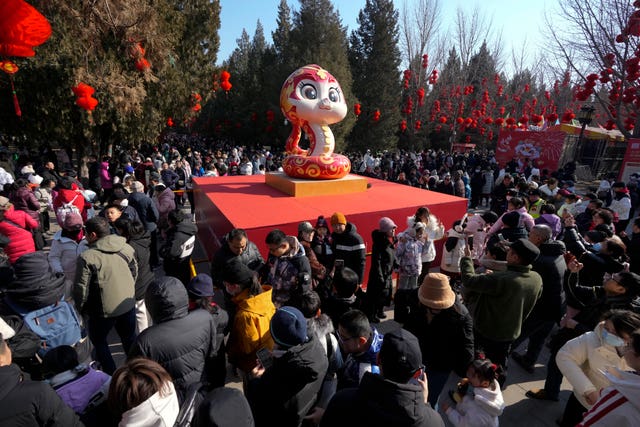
(313, 95)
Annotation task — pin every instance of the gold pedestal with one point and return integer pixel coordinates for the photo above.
(304, 187)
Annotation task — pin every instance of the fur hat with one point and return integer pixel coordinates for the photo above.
(27, 170)
(400, 355)
(338, 218)
(413, 230)
(288, 327)
(435, 292)
(527, 251)
(201, 286)
(386, 224)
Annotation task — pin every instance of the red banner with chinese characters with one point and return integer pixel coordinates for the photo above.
(631, 161)
(545, 148)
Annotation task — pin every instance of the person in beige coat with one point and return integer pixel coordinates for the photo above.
(585, 359)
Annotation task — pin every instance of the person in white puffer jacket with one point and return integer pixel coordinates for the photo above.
(619, 405)
(584, 359)
(433, 230)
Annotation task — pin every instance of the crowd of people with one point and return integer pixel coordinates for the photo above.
(533, 262)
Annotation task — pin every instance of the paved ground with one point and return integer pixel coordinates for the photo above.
(520, 410)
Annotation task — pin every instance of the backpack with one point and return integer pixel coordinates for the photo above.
(56, 324)
(65, 209)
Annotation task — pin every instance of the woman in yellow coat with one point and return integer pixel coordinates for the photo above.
(253, 311)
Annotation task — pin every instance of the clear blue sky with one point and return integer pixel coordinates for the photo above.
(519, 19)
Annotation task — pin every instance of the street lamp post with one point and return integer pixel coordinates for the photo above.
(585, 117)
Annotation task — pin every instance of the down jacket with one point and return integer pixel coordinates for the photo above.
(250, 257)
(31, 403)
(350, 247)
(183, 342)
(63, 256)
(584, 360)
(24, 199)
(16, 226)
(619, 404)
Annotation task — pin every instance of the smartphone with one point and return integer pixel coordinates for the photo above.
(339, 264)
(568, 257)
(418, 375)
(265, 357)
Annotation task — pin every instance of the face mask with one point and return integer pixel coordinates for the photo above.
(612, 340)
(597, 246)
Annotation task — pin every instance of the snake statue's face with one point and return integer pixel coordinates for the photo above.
(313, 95)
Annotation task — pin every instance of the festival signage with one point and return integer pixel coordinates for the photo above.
(631, 161)
(545, 148)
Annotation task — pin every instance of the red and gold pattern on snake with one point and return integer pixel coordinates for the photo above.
(311, 99)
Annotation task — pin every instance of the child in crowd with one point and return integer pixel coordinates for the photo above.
(481, 406)
(409, 256)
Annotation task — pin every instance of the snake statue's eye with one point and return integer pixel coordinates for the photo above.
(309, 91)
(334, 95)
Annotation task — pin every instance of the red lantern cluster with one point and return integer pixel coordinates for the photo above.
(85, 99)
(225, 84)
(425, 60)
(357, 109)
(195, 102)
(405, 79)
(376, 116)
(420, 94)
(403, 126)
(137, 52)
(433, 78)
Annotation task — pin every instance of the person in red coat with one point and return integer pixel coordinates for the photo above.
(66, 194)
(16, 225)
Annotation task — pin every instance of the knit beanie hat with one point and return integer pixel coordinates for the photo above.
(288, 327)
(322, 222)
(386, 224)
(338, 218)
(201, 286)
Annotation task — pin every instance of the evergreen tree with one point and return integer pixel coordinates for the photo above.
(374, 57)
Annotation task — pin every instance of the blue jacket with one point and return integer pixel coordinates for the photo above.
(357, 364)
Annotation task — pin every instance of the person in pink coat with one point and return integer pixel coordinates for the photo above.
(16, 225)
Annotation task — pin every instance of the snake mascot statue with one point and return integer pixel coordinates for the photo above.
(311, 99)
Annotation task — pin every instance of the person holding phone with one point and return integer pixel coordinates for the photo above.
(395, 397)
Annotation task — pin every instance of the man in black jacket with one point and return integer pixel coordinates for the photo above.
(183, 342)
(397, 397)
(29, 403)
(148, 215)
(178, 247)
(283, 393)
(549, 309)
(348, 245)
(236, 244)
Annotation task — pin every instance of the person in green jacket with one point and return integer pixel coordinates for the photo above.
(105, 289)
(501, 300)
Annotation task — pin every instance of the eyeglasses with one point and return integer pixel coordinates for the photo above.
(344, 340)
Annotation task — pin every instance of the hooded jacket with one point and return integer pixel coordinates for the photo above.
(31, 403)
(288, 389)
(551, 266)
(183, 342)
(146, 209)
(34, 285)
(289, 273)
(380, 403)
(553, 221)
(177, 238)
(66, 196)
(619, 404)
(16, 225)
(480, 410)
(583, 361)
(105, 280)
(250, 329)
(63, 256)
(350, 247)
(141, 245)
(382, 261)
(160, 410)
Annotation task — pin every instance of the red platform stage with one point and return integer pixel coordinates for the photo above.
(224, 203)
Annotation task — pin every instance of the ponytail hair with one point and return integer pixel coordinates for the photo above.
(485, 369)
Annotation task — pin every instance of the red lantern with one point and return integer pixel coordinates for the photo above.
(443, 119)
(170, 122)
(499, 121)
(418, 125)
(376, 115)
(425, 60)
(22, 28)
(403, 126)
(85, 100)
(142, 65)
(420, 94)
(225, 84)
(357, 109)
